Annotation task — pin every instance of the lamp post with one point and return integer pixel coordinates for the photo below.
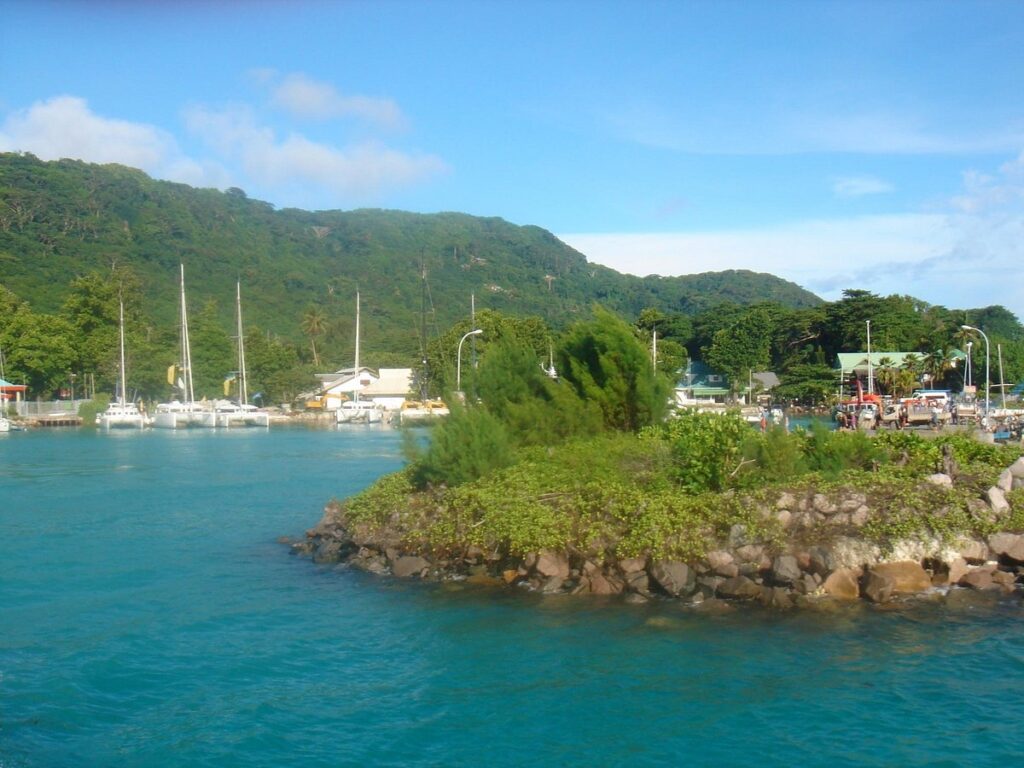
(968, 377)
(871, 378)
(972, 328)
(458, 357)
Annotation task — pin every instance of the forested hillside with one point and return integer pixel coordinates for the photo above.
(59, 220)
(74, 238)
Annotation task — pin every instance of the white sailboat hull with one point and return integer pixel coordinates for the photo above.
(185, 419)
(122, 417)
(359, 413)
(232, 419)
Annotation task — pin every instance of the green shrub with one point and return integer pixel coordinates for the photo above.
(90, 409)
(468, 444)
(833, 452)
(777, 454)
(705, 448)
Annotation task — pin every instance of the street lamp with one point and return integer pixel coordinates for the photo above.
(968, 380)
(972, 328)
(458, 365)
(871, 378)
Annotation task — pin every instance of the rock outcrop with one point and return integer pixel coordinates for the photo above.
(826, 553)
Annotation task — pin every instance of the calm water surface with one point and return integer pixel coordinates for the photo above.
(149, 616)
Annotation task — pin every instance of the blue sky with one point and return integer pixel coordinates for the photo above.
(874, 145)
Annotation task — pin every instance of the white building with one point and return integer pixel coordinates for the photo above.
(387, 387)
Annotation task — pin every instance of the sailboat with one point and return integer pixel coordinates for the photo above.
(423, 410)
(356, 410)
(122, 413)
(241, 414)
(184, 413)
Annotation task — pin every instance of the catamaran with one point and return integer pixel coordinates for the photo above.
(355, 410)
(183, 413)
(122, 413)
(240, 414)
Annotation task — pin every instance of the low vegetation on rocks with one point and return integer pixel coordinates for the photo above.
(704, 507)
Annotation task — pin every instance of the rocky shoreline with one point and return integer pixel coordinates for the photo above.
(825, 554)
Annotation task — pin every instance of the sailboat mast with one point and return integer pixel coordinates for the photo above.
(186, 353)
(123, 397)
(423, 326)
(1002, 384)
(243, 390)
(356, 371)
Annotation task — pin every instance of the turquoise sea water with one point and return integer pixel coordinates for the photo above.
(150, 617)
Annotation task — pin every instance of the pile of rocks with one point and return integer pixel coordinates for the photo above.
(823, 556)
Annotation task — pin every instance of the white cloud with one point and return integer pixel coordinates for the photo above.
(309, 98)
(859, 186)
(943, 259)
(65, 127)
(799, 132)
(892, 134)
(361, 170)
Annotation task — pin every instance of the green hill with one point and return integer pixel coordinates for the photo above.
(67, 218)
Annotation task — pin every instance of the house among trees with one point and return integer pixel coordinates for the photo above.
(387, 387)
(10, 391)
(701, 387)
(760, 386)
(704, 387)
(895, 372)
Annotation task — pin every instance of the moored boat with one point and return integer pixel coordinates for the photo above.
(185, 413)
(122, 414)
(242, 413)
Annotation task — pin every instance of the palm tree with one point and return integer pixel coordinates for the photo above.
(907, 377)
(887, 372)
(314, 323)
(938, 364)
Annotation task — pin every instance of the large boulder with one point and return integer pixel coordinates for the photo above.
(850, 552)
(979, 578)
(820, 561)
(997, 500)
(823, 504)
(597, 582)
(739, 588)
(1017, 468)
(907, 577)
(776, 598)
(974, 551)
(722, 563)
(552, 564)
(786, 570)
(877, 587)
(673, 577)
(958, 568)
(843, 584)
(750, 553)
(1005, 481)
(638, 582)
(405, 566)
(1009, 546)
(632, 564)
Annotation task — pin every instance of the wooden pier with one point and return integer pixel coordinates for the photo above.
(56, 420)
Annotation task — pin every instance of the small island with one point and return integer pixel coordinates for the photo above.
(583, 484)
